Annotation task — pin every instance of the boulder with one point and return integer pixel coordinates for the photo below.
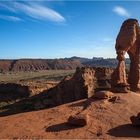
(78, 120)
(103, 95)
(114, 99)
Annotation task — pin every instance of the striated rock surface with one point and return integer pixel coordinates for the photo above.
(38, 64)
(50, 64)
(5, 65)
(128, 41)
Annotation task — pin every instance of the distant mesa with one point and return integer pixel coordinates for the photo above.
(38, 64)
(56, 64)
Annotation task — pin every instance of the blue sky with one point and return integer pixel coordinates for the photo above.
(54, 29)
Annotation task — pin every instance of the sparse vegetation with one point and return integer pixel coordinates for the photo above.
(50, 75)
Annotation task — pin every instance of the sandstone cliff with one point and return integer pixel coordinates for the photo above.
(82, 84)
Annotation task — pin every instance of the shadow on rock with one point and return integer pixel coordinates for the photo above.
(12, 92)
(33, 103)
(60, 127)
(126, 130)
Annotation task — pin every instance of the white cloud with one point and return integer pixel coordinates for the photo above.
(34, 10)
(40, 12)
(7, 7)
(10, 18)
(121, 11)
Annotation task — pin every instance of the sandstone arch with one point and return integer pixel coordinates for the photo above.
(127, 41)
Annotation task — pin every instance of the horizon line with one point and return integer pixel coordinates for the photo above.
(28, 58)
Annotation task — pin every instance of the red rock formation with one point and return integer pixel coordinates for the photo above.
(83, 84)
(128, 40)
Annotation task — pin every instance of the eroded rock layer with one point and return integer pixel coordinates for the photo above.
(37, 64)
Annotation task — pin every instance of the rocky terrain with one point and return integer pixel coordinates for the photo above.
(84, 82)
(93, 103)
(105, 117)
(106, 120)
(39, 116)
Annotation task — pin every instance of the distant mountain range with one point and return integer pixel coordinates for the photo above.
(56, 64)
(99, 61)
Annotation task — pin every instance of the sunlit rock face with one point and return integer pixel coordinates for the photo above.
(83, 84)
(128, 41)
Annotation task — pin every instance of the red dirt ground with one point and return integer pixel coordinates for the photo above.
(106, 120)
